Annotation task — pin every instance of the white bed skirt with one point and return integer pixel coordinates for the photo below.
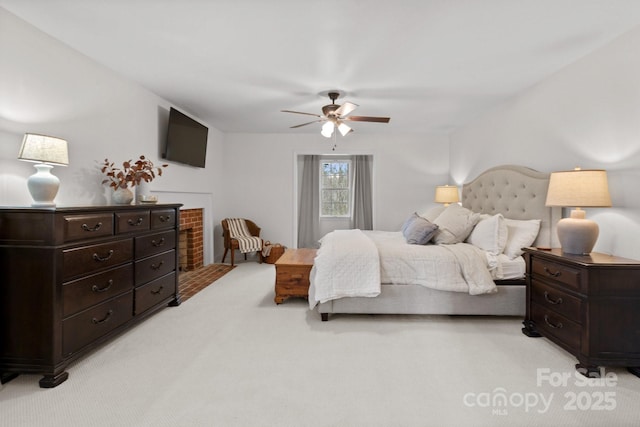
(416, 299)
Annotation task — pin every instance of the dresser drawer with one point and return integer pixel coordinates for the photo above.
(556, 300)
(154, 243)
(552, 323)
(89, 259)
(560, 273)
(131, 222)
(154, 292)
(83, 293)
(78, 227)
(163, 218)
(154, 267)
(89, 325)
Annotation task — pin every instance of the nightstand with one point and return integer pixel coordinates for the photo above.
(587, 304)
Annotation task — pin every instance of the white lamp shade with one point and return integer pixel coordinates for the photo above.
(446, 194)
(44, 149)
(579, 188)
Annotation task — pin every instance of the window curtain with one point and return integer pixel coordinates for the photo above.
(362, 216)
(309, 205)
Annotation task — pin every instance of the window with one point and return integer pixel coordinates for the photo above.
(335, 188)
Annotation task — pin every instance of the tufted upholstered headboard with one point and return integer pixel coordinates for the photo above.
(516, 192)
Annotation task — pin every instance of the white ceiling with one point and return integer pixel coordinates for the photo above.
(431, 65)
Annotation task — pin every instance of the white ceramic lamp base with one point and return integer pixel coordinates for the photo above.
(577, 234)
(43, 186)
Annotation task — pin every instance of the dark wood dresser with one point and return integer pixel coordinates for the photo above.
(587, 304)
(71, 278)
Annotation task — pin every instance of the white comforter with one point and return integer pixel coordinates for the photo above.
(347, 262)
(346, 265)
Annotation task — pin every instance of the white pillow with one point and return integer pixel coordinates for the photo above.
(433, 213)
(454, 225)
(522, 233)
(490, 234)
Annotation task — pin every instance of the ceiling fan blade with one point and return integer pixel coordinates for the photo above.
(345, 109)
(300, 112)
(344, 129)
(368, 119)
(304, 124)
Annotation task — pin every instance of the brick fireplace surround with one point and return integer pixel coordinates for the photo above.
(191, 243)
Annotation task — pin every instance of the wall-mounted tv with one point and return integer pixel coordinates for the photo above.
(186, 140)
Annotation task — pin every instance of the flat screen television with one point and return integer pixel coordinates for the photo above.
(186, 140)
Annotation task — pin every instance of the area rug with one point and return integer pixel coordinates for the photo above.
(192, 282)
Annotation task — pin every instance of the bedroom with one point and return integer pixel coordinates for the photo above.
(585, 114)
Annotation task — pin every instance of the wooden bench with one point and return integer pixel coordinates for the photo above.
(292, 274)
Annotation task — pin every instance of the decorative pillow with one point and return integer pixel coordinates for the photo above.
(433, 213)
(522, 233)
(454, 225)
(490, 234)
(408, 221)
(420, 231)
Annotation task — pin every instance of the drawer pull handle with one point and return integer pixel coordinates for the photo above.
(96, 227)
(95, 288)
(165, 218)
(550, 300)
(557, 326)
(136, 223)
(158, 243)
(552, 273)
(157, 291)
(103, 259)
(296, 276)
(157, 266)
(106, 318)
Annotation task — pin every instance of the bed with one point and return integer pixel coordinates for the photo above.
(516, 192)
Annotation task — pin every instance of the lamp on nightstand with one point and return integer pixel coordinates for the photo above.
(45, 151)
(446, 194)
(579, 188)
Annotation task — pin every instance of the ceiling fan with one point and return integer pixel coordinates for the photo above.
(335, 115)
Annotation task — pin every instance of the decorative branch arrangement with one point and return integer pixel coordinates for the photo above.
(132, 173)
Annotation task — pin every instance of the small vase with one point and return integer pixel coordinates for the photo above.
(122, 196)
(142, 192)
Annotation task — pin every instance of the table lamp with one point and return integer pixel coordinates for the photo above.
(45, 151)
(447, 194)
(578, 188)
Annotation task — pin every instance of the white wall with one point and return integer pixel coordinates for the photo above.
(261, 175)
(48, 88)
(586, 115)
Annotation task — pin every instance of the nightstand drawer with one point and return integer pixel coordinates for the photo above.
(556, 300)
(563, 329)
(543, 269)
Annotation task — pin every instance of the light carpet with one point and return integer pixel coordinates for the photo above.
(229, 356)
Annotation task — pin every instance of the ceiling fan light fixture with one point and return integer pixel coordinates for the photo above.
(327, 129)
